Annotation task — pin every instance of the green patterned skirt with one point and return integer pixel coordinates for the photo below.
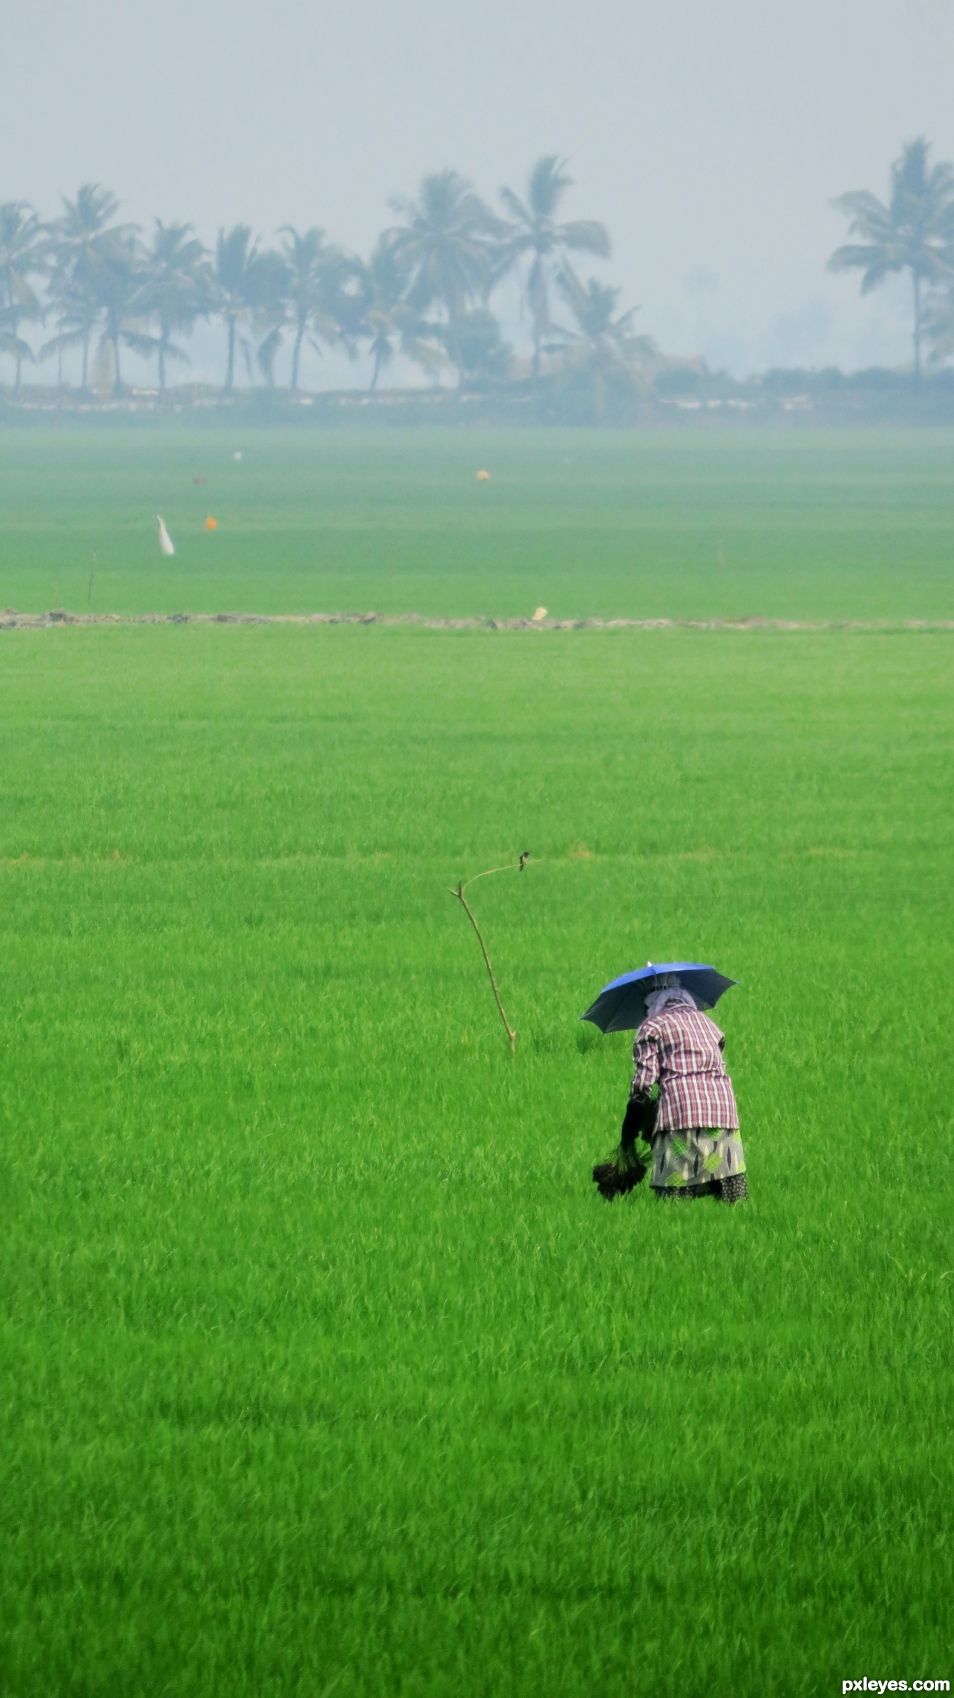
(694, 1157)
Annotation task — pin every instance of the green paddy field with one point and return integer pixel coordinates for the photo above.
(326, 1370)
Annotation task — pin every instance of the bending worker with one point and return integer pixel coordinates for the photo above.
(697, 1148)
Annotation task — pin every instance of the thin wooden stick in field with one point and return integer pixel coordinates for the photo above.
(458, 891)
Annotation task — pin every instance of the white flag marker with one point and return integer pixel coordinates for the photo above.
(165, 541)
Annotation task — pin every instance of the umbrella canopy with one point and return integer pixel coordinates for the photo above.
(621, 1005)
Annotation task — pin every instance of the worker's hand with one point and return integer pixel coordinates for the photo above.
(639, 1121)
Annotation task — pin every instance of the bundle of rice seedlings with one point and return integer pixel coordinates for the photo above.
(621, 1174)
(630, 1162)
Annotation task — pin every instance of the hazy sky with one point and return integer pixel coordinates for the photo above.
(709, 135)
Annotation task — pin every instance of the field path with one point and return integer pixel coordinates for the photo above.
(11, 620)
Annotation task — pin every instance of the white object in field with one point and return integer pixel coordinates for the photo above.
(165, 541)
(237, 455)
(483, 476)
(541, 613)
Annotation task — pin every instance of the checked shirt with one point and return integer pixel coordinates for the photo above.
(681, 1052)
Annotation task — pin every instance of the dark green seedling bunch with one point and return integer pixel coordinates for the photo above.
(629, 1164)
(458, 891)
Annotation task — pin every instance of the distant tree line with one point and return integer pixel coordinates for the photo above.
(89, 285)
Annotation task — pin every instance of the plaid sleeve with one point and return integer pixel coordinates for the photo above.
(646, 1062)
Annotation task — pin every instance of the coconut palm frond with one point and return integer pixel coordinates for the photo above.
(140, 342)
(517, 208)
(853, 256)
(586, 235)
(60, 342)
(549, 181)
(867, 212)
(10, 343)
(267, 352)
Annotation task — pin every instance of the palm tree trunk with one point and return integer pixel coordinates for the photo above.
(453, 343)
(539, 302)
(83, 379)
(117, 374)
(376, 373)
(162, 359)
(230, 368)
(296, 356)
(915, 277)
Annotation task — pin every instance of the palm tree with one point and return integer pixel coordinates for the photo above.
(602, 350)
(21, 259)
(245, 283)
(537, 236)
(119, 287)
(913, 232)
(108, 296)
(75, 310)
(317, 300)
(448, 245)
(78, 240)
(175, 288)
(388, 320)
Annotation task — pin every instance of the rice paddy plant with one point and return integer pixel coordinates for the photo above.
(327, 1369)
(677, 524)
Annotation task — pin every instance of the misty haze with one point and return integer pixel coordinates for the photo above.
(710, 149)
(476, 616)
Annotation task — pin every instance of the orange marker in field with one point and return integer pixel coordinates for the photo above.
(210, 523)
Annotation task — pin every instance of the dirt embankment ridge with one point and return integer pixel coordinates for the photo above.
(58, 617)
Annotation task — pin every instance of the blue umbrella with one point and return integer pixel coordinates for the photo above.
(621, 1005)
